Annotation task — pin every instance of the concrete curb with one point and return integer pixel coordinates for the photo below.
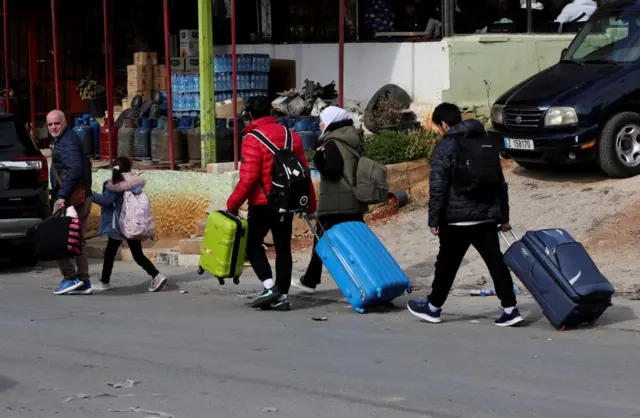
(162, 256)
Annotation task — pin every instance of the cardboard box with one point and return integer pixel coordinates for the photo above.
(139, 77)
(178, 64)
(159, 84)
(188, 35)
(192, 65)
(224, 110)
(159, 78)
(189, 49)
(126, 104)
(145, 58)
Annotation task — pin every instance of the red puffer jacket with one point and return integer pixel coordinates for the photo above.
(257, 163)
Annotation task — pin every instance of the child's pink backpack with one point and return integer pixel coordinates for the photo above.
(136, 221)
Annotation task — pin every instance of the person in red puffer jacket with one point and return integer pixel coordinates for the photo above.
(254, 185)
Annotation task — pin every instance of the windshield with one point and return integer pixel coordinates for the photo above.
(611, 36)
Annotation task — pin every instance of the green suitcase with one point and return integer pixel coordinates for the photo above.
(224, 246)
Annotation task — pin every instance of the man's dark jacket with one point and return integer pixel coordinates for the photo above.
(71, 163)
(445, 205)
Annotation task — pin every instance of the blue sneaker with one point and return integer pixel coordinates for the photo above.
(422, 310)
(68, 285)
(85, 289)
(509, 319)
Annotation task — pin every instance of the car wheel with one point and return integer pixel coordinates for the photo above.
(619, 146)
(23, 256)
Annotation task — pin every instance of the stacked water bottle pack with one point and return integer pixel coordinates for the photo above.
(252, 76)
(186, 94)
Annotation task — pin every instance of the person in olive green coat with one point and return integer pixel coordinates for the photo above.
(336, 160)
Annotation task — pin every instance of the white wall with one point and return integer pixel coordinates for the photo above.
(422, 69)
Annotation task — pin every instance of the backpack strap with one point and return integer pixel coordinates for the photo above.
(288, 142)
(264, 140)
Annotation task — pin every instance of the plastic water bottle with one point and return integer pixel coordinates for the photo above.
(482, 292)
(197, 82)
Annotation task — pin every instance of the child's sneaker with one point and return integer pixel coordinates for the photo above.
(68, 285)
(422, 310)
(85, 289)
(157, 283)
(282, 306)
(509, 319)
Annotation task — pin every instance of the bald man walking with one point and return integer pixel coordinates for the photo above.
(71, 186)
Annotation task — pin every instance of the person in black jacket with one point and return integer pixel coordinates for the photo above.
(71, 186)
(460, 221)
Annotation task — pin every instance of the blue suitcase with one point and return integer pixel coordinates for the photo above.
(560, 275)
(361, 266)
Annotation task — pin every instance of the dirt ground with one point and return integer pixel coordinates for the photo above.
(602, 213)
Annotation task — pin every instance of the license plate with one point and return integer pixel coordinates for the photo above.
(524, 144)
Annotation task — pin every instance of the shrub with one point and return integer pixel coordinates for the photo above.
(389, 147)
(421, 145)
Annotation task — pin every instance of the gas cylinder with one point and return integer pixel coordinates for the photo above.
(84, 131)
(126, 137)
(309, 140)
(104, 141)
(186, 123)
(142, 143)
(160, 143)
(194, 147)
(95, 127)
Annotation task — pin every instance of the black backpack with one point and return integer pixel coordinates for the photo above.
(477, 169)
(290, 183)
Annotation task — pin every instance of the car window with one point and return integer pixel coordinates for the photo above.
(14, 137)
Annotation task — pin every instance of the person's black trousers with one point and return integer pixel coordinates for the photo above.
(454, 243)
(313, 274)
(261, 220)
(137, 253)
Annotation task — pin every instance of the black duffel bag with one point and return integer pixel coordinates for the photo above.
(57, 238)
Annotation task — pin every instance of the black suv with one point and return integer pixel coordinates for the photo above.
(24, 187)
(587, 106)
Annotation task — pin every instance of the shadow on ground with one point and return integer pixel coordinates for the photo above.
(578, 173)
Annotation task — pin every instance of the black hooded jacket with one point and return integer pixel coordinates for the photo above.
(445, 205)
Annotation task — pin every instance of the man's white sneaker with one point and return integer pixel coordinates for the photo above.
(297, 283)
(101, 287)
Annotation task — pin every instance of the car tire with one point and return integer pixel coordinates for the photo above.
(24, 257)
(608, 159)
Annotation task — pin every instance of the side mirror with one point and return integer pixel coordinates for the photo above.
(564, 51)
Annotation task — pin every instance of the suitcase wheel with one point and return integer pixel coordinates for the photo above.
(221, 281)
(200, 270)
(409, 288)
(236, 280)
(359, 310)
(562, 328)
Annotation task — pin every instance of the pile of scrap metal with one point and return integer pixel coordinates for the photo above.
(311, 101)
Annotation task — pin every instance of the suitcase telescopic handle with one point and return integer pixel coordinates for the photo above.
(506, 240)
(313, 230)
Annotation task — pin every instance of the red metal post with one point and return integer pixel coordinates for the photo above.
(54, 26)
(341, 56)
(112, 83)
(107, 68)
(234, 67)
(167, 67)
(7, 75)
(33, 70)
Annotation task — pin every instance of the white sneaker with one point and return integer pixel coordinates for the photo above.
(101, 287)
(297, 283)
(157, 283)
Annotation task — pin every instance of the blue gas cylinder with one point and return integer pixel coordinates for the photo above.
(142, 141)
(303, 125)
(84, 131)
(309, 140)
(95, 126)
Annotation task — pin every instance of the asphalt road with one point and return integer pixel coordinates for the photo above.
(203, 354)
